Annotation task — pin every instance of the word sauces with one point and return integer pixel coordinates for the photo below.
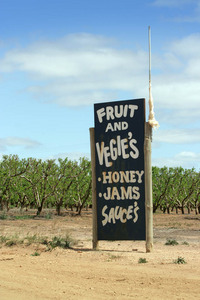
(119, 155)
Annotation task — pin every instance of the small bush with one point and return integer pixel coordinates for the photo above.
(30, 239)
(3, 239)
(3, 216)
(23, 217)
(185, 243)
(171, 242)
(48, 216)
(10, 243)
(35, 254)
(180, 260)
(113, 257)
(58, 241)
(44, 240)
(142, 260)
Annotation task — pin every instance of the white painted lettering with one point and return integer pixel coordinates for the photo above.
(118, 213)
(117, 112)
(122, 193)
(123, 176)
(123, 147)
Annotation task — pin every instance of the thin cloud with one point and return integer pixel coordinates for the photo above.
(81, 69)
(71, 57)
(190, 15)
(71, 155)
(177, 136)
(185, 159)
(17, 141)
(173, 3)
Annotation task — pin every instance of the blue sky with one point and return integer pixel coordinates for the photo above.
(59, 57)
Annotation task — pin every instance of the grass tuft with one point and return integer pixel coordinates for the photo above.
(180, 260)
(185, 243)
(13, 241)
(23, 217)
(3, 239)
(35, 254)
(171, 242)
(142, 260)
(48, 216)
(61, 242)
(3, 216)
(57, 241)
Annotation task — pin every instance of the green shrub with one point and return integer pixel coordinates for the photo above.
(57, 241)
(171, 242)
(185, 243)
(48, 216)
(61, 242)
(180, 260)
(3, 216)
(23, 217)
(142, 260)
(3, 239)
(35, 254)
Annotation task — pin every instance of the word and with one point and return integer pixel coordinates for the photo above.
(119, 213)
(125, 148)
(117, 126)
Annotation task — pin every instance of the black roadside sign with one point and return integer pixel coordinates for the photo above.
(120, 184)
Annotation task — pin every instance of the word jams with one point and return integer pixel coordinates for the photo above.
(113, 193)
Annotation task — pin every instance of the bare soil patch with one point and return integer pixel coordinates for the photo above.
(113, 272)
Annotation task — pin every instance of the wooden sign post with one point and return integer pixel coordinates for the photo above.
(148, 188)
(94, 198)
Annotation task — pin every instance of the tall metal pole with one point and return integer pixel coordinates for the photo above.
(148, 170)
(149, 60)
(152, 121)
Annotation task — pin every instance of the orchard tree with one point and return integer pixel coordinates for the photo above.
(63, 180)
(11, 167)
(194, 201)
(183, 187)
(80, 192)
(39, 176)
(161, 178)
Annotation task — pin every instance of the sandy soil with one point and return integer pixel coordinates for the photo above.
(113, 272)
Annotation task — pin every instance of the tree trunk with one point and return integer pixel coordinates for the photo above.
(39, 210)
(1, 204)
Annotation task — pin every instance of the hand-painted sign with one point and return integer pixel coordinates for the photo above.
(119, 152)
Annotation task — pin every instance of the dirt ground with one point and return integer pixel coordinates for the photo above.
(113, 272)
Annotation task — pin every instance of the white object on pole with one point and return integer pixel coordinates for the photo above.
(152, 121)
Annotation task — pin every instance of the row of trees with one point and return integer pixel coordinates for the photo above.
(176, 189)
(37, 184)
(33, 183)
